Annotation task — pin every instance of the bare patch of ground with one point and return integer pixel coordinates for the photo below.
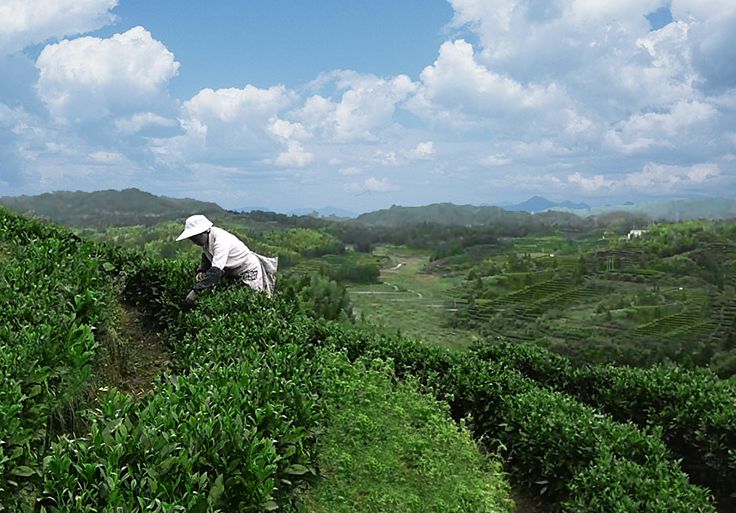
(134, 355)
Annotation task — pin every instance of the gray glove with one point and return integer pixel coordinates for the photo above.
(191, 298)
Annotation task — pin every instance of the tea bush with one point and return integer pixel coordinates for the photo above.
(53, 300)
(551, 442)
(695, 410)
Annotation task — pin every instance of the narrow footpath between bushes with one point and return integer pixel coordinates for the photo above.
(136, 355)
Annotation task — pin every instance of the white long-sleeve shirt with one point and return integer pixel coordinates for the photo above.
(225, 251)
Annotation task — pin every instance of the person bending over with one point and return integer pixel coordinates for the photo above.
(224, 254)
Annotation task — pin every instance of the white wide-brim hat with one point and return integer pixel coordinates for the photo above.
(194, 225)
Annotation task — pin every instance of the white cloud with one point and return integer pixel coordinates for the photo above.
(712, 25)
(590, 183)
(497, 159)
(544, 148)
(456, 81)
(287, 130)
(141, 120)
(294, 156)
(234, 123)
(659, 129)
(28, 22)
(365, 107)
(386, 158)
(654, 179)
(352, 170)
(234, 106)
(90, 78)
(422, 151)
(106, 157)
(667, 178)
(371, 184)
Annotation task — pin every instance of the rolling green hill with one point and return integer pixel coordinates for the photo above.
(108, 208)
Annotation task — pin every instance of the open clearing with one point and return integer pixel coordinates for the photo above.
(410, 300)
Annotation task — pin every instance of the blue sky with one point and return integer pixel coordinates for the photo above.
(360, 105)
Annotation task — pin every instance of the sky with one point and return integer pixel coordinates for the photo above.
(365, 104)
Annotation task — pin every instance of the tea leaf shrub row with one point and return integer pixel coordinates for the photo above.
(53, 299)
(234, 430)
(695, 410)
(571, 453)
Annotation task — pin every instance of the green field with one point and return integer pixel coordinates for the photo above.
(665, 297)
(410, 300)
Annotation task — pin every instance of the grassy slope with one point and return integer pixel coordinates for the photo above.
(409, 300)
(388, 447)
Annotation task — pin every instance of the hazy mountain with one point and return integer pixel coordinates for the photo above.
(246, 210)
(539, 204)
(323, 212)
(108, 208)
(676, 210)
(441, 213)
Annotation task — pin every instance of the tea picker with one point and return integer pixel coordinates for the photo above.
(224, 254)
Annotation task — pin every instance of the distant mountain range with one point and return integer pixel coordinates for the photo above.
(135, 207)
(108, 208)
(540, 204)
(440, 213)
(315, 212)
(675, 210)
(323, 212)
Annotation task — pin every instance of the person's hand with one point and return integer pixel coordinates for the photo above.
(199, 276)
(190, 299)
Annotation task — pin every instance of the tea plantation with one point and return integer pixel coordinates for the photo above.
(265, 408)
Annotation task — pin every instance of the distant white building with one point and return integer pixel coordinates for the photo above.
(635, 233)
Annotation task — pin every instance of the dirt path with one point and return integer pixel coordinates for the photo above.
(135, 355)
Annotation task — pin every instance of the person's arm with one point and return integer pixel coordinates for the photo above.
(205, 264)
(211, 277)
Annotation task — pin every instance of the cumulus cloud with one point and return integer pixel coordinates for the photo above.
(142, 120)
(239, 123)
(524, 29)
(456, 81)
(422, 151)
(537, 97)
(28, 22)
(90, 78)
(659, 129)
(712, 25)
(371, 184)
(386, 158)
(590, 183)
(661, 178)
(542, 149)
(294, 156)
(654, 179)
(363, 107)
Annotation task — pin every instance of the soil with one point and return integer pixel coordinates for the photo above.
(525, 503)
(135, 357)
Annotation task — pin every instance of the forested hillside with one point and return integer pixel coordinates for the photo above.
(107, 208)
